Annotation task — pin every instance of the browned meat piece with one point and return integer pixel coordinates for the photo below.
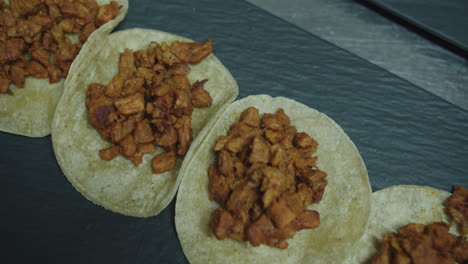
(55, 74)
(457, 207)
(146, 148)
(24, 7)
(106, 13)
(259, 231)
(143, 132)
(95, 90)
(132, 86)
(6, 18)
(142, 59)
(18, 73)
(191, 52)
(29, 30)
(122, 129)
(307, 220)
(260, 150)
(280, 213)
(165, 56)
(219, 189)
(302, 140)
(128, 147)
(222, 140)
(70, 25)
(88, 29)
(221, 222)
(40, 54)
(36, 69)
(164, 162)
(41, 20)
(241, 200)
(184, 133)
(54, 12)
(109, 153)
(131, 104)
(101, 112)
(200, 97)
(65, 56)
(251, 117)
(127, 63)
(288, 137)
(4, 84)
(277, 121)
(57, 34)
(274, 184)
(147, 74)
(77, 10)
(179, 69)
(11, 50)
(168, 138)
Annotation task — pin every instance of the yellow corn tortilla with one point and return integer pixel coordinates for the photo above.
(118, 185)
(344, 209)
(30, 110)
(395, 207)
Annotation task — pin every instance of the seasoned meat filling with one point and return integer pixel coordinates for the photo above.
(37, 28)
(264, 179)
(457, 207)
(416, 243)
(149, 101)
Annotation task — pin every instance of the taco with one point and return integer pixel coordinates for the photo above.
(118, 184)
(394, 208)
(28, 109)
(344, 208)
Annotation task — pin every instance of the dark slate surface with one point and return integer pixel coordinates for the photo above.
(445, 19)
(405, 134)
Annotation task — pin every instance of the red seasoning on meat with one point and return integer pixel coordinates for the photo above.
(264, 179)
(150, 101)
(38, 28)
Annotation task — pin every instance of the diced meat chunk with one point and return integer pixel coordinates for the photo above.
(219, 188)
(109, 153)
(106, 13)
(221, 222)
(200, 97)
(123, 129)
(184, 133)
(260, 150)
(128, 147)
(457, 207)
(88, 29)
(24, 7)
(143, 132)
(11, 50)
(131, 104)
(164, 162)
(281, 214)
(250, 117)
(4, 84)
(18, 73)
(191, 52)
(277, 121)
(36, 69)
(101, 112)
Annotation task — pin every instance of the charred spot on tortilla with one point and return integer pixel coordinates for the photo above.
(264, 179)
(37, 29)
(150, 101)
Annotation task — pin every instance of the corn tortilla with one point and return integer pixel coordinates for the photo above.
(344, 209)
(395, 207)
(118, 185)
(29, 112)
